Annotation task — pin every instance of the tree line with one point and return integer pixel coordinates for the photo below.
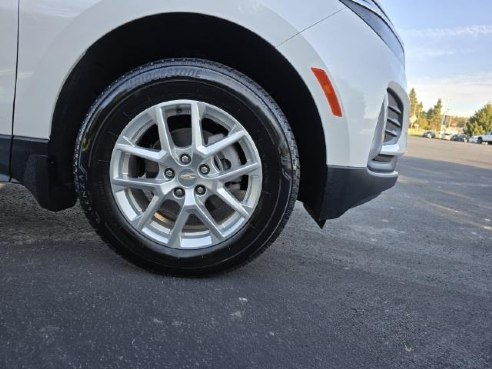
(433, 118)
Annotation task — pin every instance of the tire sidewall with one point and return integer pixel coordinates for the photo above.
(173, 80)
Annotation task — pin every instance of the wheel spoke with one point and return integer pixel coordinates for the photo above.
(141, 152)
(224, 143)
(176, 232)
(164, 135)
(143, 219)
(136, 183)
(232, 202)
(197, 112)
(238, 172)
(203, 214)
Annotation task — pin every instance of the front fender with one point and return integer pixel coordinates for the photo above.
(55, 34)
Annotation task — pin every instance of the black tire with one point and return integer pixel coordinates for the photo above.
(480, 141)
(187, 79)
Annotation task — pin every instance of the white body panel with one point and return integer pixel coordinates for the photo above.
(8, 56)
(55, 34)
(336, 45)
(487, 137)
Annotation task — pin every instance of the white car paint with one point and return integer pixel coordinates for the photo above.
(8, 56)
(361, 87)
(55, 34)
(487, 137)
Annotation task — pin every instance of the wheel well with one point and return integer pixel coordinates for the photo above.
(187, 35)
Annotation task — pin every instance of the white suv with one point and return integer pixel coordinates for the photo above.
(487, 137)
(188, 129)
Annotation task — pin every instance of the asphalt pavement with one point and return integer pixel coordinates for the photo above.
(404, 281)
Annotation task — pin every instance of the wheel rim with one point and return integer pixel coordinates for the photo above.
(186, 174)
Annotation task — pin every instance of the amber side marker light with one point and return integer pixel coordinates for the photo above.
(329, 91)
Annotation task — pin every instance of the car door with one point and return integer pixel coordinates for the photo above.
(8, 61)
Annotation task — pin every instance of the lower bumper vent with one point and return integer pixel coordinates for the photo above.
(388, 132)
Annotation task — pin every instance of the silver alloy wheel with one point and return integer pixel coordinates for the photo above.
(181, 184)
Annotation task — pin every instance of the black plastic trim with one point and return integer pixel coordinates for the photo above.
(32, 166)
(5, 142)
(380, 26)
(343, 188)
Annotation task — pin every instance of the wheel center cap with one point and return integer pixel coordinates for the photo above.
(187, 178)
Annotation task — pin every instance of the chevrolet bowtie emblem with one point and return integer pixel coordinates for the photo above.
(188, 176)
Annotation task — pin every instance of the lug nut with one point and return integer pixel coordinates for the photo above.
(204, 169)
(169, 173)
(200, 190)
(185, 159)
(179, 192)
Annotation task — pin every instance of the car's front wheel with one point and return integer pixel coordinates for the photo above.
(186, 167)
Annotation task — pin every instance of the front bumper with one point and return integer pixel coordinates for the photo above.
(345, 188)
(362, 147)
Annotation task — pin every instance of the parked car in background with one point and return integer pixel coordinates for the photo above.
(446, 136)
(429, 134)
(473, 139)
(487, 137)
(459, 138)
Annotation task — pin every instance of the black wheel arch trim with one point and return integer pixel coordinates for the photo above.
(32, 166)
(5, 146)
